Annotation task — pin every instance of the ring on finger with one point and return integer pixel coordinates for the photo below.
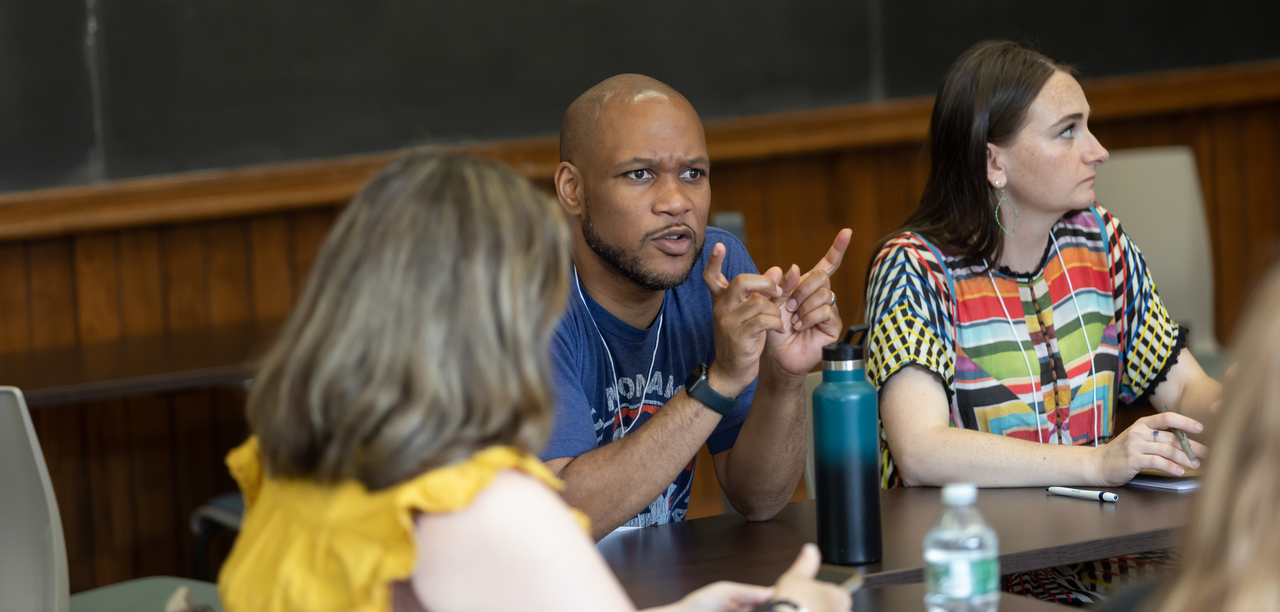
(1155, 435)
(833, 299)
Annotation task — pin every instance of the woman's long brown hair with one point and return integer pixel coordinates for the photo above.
(983, 99)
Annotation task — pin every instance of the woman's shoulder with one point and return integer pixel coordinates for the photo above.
(519, 528)
(512, 495)
(455, 486)
(1096, 218)
(910, 248)
(908, 257)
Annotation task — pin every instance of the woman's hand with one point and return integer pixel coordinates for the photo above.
(1148, 444)
(720, 597)
(798, 586)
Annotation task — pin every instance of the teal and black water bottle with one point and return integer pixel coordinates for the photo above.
(846, 455)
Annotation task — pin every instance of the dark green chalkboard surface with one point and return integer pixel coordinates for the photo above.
(128, 88)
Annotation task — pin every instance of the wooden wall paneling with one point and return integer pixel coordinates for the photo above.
(53, 297)
(158, 527)
(797, 196)
(183, 255)
(242, 192)
(230, 299)
(739, 187)
(111, 485)
(1120, 134)
(196, 462)
(230, 429)
(856, 179)
(97, 278)
(904, 171)
(15, 313)
(1164, 131)
(1260, 189)
(1232, 220)
(706, 498)
(142, 288)
(1275, 178)
(61, 432)
(309, 230)
(269, 263)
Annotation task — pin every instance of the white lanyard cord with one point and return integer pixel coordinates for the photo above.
(1075, 302)
(1035, 387)
(612, 368)
(1085, 332)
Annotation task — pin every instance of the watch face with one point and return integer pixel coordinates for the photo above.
(698, 373)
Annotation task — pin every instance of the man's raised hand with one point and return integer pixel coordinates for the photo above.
(744, 311)
(810, 315)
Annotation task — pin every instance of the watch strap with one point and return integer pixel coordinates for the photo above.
(698, 388)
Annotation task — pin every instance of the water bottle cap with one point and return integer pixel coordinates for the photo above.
(959, 494)
(845, 349)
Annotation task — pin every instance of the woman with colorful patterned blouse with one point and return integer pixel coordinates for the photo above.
(1011, 304)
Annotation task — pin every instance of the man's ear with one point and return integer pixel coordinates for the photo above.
(997, 175)
(569, 188)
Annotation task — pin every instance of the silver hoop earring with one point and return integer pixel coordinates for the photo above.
(1003, 200)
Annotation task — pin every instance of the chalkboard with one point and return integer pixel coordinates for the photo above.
(209, 83)
(143, 87)
(923, 37)
(46, 107)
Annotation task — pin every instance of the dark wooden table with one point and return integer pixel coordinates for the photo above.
(904, 597)
(661, 564)
(177, 361)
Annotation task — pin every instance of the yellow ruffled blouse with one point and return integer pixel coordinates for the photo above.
(306, 546)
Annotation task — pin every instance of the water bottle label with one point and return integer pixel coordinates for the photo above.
(963, 578)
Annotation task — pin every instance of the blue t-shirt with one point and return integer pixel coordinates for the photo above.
(592, 410)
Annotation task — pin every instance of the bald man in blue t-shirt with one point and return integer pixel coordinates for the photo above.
(666, 345)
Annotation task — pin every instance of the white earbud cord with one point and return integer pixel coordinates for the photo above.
(1085, 332)
(612, 368)
(1080, 316)
(1035, 386)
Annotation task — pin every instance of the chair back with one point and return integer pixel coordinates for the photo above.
(33, 554)
(1155, 192)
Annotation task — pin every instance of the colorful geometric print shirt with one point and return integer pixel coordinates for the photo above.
(1013, 350)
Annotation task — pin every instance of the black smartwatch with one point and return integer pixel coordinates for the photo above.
(697, 388)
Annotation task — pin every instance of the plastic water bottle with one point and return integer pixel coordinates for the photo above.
(961, 556)
(846, 456)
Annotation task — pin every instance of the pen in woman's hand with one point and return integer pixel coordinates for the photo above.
(1182, 437)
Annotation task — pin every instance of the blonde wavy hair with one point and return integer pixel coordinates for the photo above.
(1232, 553)
(422, 335)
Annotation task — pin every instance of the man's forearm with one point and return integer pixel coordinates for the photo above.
(613, 483)
(765, 463)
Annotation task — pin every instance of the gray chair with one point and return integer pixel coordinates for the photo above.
(33, 553)
(218, 515)
(1155, 192)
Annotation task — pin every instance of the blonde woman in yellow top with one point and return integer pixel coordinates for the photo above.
(398, 418)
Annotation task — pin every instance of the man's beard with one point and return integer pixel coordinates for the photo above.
(629, 264)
